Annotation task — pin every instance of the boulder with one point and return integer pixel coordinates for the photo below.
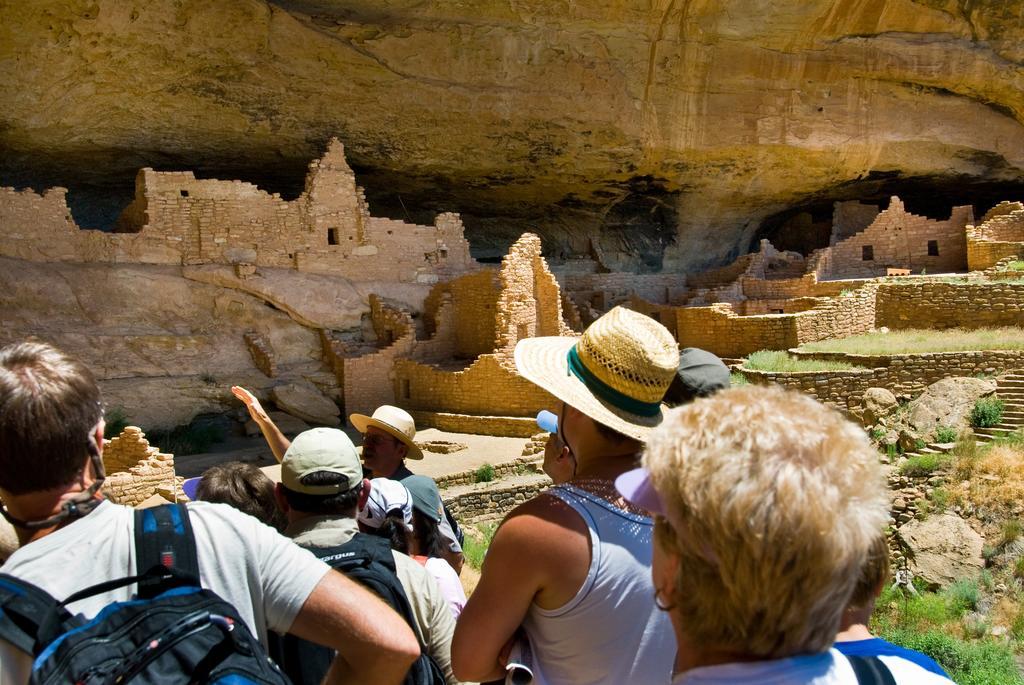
(943, 549)
(909, 440)
(286, 423)
(304, 400)
(947, 403)
(878, 405)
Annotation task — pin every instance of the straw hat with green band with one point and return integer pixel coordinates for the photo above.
(616, 373)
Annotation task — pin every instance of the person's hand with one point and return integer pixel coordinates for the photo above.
(251, 403)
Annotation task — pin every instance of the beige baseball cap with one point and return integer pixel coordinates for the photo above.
(321, 449)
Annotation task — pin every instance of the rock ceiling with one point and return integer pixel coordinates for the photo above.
(665, 131)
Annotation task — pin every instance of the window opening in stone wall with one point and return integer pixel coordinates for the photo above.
(523, 331)
(933, 248)
(405, 388)
(867, 253)
(778, 311)
(443, 252)
(389, 336)
(184, 193)
(332, 236)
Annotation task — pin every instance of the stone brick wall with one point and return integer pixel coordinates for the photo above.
(850, 218)
(897, 238)
(999, 235)
(136, 471)
(473, 302)
(940, 305)
(607, 290)
(901, 374)
(486, 387)
(493, 504)
(176, 218)
(719, 329)
(505, 426)
(262, 353)
(520, 465)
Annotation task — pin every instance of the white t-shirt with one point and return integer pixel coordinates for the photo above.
(262, 574)
(827, 668)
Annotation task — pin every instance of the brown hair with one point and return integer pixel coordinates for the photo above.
(49, 408)
(873, 573)
(245, 488)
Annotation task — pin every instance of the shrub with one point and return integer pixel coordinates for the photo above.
(116, 421)
(1017, 627)
(923, 464)
(963, 596)
(877, 433)
(946, 434)
(940, 498)
(191, 439)
(1018, 568)
(1015, 266)
(484, 474)
(1011, 532)
(987, 412)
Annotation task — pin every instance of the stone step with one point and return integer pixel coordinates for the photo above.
(993, 432)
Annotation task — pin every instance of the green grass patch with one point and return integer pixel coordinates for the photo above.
(1014, 440)
(1015, 266)
(484, 474)
(924, 464)
(912, 341)
(943, 626)
(476, 543)
(987, 412)
(983, 662)
(781, 361)
(737, 379)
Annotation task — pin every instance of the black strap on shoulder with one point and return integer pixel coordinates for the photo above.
(871, 671)
(164, 538)
(362, 550)
(22, 607)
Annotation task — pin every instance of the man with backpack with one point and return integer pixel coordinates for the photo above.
(321, 487)
(51, 472)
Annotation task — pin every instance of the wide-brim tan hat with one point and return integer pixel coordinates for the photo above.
(616, 373)
(395, 422)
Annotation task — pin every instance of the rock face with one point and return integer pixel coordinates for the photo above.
(620, 127)
(943, 549)
(948, 403)
(306, 402)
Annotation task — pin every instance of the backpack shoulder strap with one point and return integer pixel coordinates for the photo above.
(871, 671)
(164, 537)
(22, 607)
(361, 550)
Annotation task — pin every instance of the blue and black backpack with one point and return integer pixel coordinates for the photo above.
(172, 631)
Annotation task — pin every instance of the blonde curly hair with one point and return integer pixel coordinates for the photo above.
(774, 501)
